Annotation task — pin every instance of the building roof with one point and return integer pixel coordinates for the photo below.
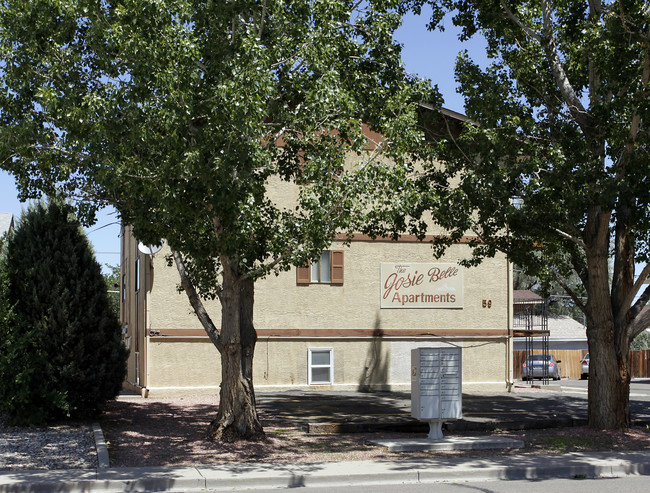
(526, 296)
(560, 327)
(6, 222)
(564, 327)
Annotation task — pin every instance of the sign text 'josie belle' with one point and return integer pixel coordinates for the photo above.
(421, 285)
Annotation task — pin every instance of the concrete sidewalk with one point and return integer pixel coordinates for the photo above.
(250, 476)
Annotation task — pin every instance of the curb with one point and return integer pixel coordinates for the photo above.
(103, 460)
(263, 475)
(185, 479)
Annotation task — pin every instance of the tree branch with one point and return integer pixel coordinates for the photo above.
(579, 266)
(453, 139)
(511, 15)
(571, 238)
(561, 79)
(195, 301)
(252, 274)
(641, 302)
(261, 30)
(576, 299)
(640, 320)
(330, 214)
(635, 125)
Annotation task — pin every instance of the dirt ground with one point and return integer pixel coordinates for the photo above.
(166, 432)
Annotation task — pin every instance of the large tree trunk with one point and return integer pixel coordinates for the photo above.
(237, 417)
(609, 375)
(609, 351)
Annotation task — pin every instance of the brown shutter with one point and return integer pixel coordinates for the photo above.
(303, 275)
(337, 266)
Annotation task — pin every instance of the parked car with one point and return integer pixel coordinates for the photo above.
(539, 366)
(584, 372)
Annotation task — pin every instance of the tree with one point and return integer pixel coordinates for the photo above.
(642, 341)
(559, 303)
(113, 281)
(555, 163)
(62, 351)
(191, 117)
(7, 317)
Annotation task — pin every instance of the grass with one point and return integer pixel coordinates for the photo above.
(566, 444)
(283, 432)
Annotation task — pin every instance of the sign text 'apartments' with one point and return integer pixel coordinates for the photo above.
(420, 285)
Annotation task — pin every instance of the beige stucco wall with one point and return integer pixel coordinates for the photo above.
(170, 361)
(284, 194)
(167, 307)
(281, 304)
(356, 304)
(183, 363)
(191, 366)
(483, 359)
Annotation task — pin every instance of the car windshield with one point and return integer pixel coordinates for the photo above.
(539, 357)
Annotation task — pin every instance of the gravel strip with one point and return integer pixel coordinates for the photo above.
(58, 446)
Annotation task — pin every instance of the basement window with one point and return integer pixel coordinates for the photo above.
(321, 366)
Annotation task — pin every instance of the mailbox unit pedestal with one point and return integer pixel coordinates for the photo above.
(436, 386)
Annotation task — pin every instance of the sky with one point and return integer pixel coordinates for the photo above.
(427, 54)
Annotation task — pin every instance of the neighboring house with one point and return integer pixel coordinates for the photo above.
(530, 311)
(537, 332)
(342, 325)
(6, 223)
(564, 333)
(530, 322)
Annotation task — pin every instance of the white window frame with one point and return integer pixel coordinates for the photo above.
(316, 268)
(311, 366)
(137, 273)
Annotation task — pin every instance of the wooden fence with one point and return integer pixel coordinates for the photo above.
(640, 362)
(571, 367)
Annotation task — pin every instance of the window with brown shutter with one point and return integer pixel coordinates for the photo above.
(328, 269)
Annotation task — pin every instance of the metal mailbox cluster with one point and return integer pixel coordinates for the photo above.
(436, 386)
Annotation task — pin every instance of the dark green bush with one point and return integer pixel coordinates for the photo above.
(62, 354)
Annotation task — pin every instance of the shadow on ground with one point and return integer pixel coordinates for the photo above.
(383, 410)
(146, 432)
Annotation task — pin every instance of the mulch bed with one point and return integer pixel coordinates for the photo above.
(166, 432)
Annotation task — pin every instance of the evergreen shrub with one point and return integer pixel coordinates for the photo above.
(61, 348)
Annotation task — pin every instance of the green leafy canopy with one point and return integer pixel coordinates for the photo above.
(553, 167)
(184, 114)
(558, 144)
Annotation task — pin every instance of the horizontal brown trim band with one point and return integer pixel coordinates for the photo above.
(344, 332)
(379, 332)
(530, 333)
(402, 238)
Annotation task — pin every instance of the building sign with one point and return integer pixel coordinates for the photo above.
(410, 285)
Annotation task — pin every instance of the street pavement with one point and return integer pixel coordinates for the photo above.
(335, 412)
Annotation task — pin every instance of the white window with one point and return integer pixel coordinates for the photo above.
(137, 274)
(328, 269)
(321, 366)
(321, 271)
